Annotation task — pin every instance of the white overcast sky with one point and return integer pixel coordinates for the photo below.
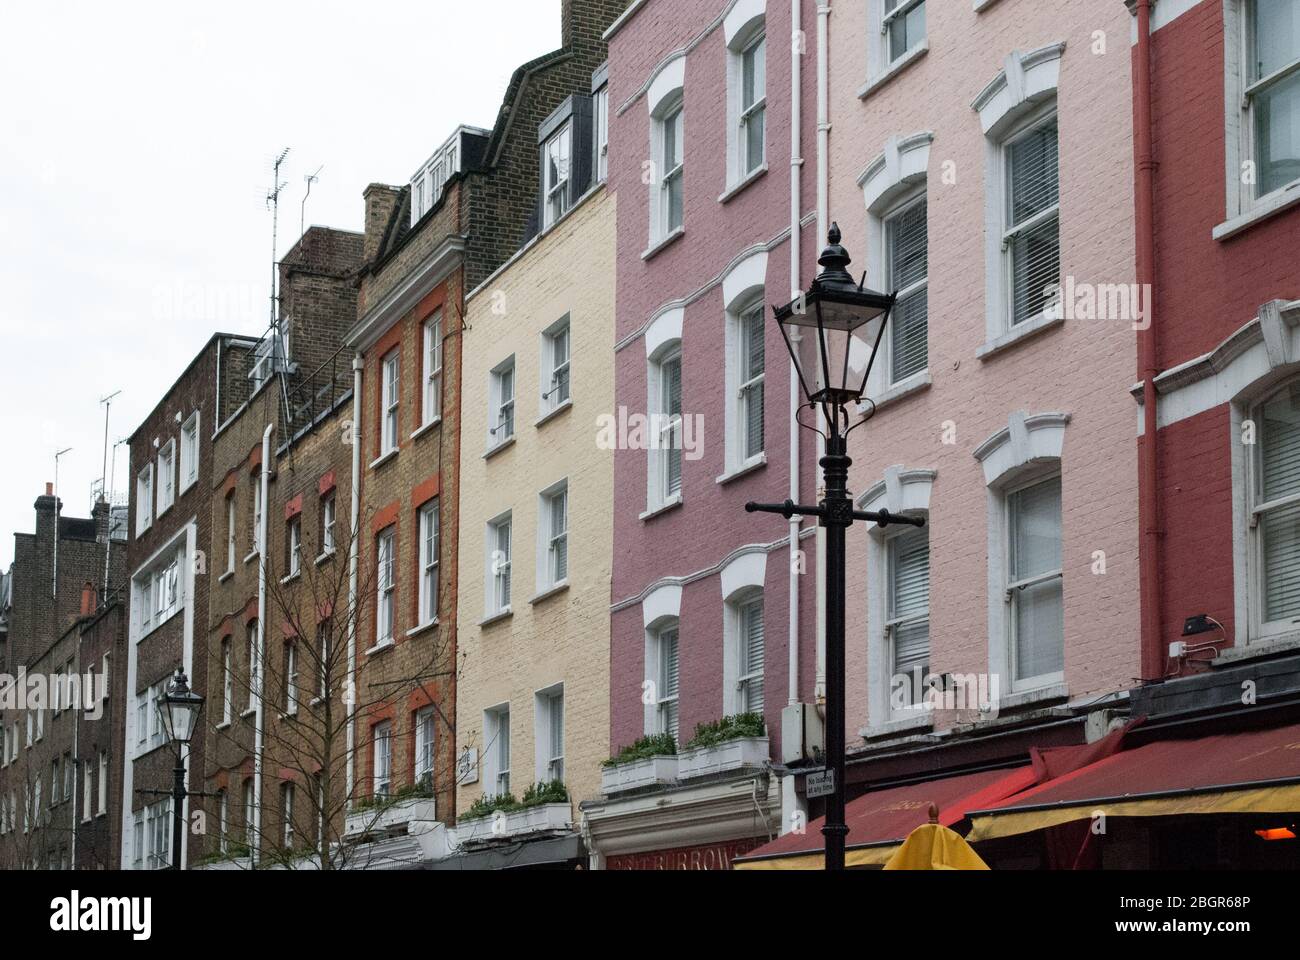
(135, 149)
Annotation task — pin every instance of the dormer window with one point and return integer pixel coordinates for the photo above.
(556, 174)
(428, 182)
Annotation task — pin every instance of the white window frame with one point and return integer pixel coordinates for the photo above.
(664, 704)
(600, 111)
(295, 545)
(548, 754)
(894, 620)
(381, 736)
(102, 805)
(670, 173)
(738, 608)
(432, 400)
(1012, 588)
(329, 508)
(502, 413)
(166, 477)
(189, 463)
(557, 368)
(385, 586)
(1241, 93)
(498, 576)
(144, 499)
(1259, 629)
(252, 642)
(740, 46)
(231, 534)
(223, 821)
(883, 54)
(741, 389)
(390, 386)
(425, 745)
(1008, 232)
(291, 677)
(557, 183)
(550, 540)
(286, 813)
(666, 447)
(496, 750)
(227, 680)
(430, 547)
(911, 199)
(257, 515)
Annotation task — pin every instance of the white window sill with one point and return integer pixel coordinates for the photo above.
(251, 711)
(380, 647)
(662, 244)
(164, 511)
(288, 716)
(250, 558)
(422, 628)
(549, 592)
(894, 69)
(1022, 698)
(1019, 333)
(1263, 647)
(552, 414)
(905, 388)
(384, 458)
(672, 503)
(328, 554)
(186, 489)
(505, 444)
(746, 468)
(284, 581)
(745, 181)
(426, 428)
(317, 701)
(982, 5)
(497, 617)
(224, 725)
(905, 722)
(225, 576)
(1264, 209)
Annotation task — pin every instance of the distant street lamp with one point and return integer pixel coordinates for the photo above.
(847, 322)
(179, 709)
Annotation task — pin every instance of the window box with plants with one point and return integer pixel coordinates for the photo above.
(650, 761)
(409, 811)
(544, 808)
(733, 743)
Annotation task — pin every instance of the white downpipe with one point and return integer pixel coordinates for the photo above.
(798, 47)
(791, 805)
(255, 841)
(823, 222)
(357, 366)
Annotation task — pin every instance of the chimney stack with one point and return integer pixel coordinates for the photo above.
(381, 200)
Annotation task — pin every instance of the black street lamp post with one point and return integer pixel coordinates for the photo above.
(849, 322)
(178, 708)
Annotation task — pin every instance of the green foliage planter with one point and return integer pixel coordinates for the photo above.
(730, 744)
(650, 760)
(545, 806)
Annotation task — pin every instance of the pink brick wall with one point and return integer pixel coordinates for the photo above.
(1083, 368)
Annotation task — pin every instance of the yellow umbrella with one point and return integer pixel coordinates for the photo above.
(935, 847)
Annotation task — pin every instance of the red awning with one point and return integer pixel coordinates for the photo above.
(1249, 772)
(880, 820)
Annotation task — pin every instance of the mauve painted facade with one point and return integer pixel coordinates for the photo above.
(727, 245)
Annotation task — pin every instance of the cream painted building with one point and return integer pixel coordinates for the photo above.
(535, 519)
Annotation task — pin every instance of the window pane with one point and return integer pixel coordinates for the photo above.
(1275, 35)
(1036, 530)
(907, 241)
(1040, 630)
(752, 655)
(755, 74)
(1034, 172)
(909, 567)
(1280, 446)
(1036, 269)
(1277, 133)
(1281, 544)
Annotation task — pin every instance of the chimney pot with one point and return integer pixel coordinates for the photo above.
(49, 489)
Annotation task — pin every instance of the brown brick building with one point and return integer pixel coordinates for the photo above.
(275, 721)
(467, 211)
(57, 588)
